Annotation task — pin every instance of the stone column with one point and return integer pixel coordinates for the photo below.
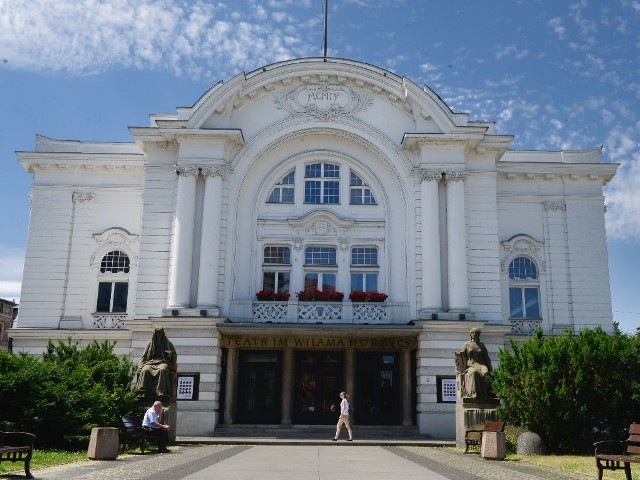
(231, 373)
(405, 386)
(210, 239)
(180, 279)
(431, 273)
(287, 385)
(457, 242)
(349, 370)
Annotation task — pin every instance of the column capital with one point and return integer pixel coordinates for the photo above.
(187, 170)
(456, 175)
(215, 170)
(82, 197)
(555, 206)
(428, 175)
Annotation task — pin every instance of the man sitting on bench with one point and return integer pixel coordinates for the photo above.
(151, 423)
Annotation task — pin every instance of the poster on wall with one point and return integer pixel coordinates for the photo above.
(188, 386)
(447, 389)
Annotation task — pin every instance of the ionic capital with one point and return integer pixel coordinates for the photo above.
(554, 206)
(83, 197)
(187, 170)
(215, 171)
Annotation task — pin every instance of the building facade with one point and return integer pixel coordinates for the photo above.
(252, 226)
(7, 315)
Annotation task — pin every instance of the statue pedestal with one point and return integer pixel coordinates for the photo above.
(471, 412)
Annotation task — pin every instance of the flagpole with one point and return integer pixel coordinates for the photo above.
(326, 14)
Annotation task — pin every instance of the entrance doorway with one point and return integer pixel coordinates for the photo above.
(259, 398)
(378, 391)
(318, 381)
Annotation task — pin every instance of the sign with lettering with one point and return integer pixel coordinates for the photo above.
(389, 343)
(323, 100)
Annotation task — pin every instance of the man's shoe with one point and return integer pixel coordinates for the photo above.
(349, 439)
(166, 450)
(334, 439)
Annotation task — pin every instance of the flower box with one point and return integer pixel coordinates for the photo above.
(360, 296)
(320, 296)
(271, 296)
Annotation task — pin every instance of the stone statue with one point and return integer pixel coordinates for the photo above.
(474, 367)
(157, 372)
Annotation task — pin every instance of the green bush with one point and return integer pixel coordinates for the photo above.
(63, 395)
(571, 390)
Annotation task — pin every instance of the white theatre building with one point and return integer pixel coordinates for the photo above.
(312, 174)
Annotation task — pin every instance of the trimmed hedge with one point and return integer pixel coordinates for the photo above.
(571, 390)
(63, 395)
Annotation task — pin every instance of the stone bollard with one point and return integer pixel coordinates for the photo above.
(494, 445)
(103, 444)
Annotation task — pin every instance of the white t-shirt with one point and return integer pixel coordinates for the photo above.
(344, 407)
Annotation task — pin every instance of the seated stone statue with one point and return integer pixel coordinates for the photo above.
(474, 367)
(156, 375)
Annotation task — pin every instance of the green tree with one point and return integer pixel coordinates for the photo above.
(571, 390)
(64, 394)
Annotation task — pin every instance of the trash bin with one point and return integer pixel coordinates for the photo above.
(103, 444)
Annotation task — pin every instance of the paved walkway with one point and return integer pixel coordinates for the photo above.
(300, 462)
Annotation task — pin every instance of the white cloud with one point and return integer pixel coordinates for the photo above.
(80, 37)
(558, 27)
(11, 264)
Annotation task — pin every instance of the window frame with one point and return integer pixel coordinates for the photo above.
(522, 286)
(328, 193)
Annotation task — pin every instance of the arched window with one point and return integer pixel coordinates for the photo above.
(524, 288)
(113, 283)
(284, 189)
(359, 192)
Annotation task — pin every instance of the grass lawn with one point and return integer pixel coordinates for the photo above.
(572, 463)
(44, 458)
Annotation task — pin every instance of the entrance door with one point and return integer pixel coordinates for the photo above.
(317, 386)
(378, 390)
(259, 388)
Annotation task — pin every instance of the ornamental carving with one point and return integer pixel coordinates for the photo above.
(555, 206)
(456, 176)
(323, 101)
(83, 197)
(321, 228)
(429, 175)
(215, 171)
(187, 170)
(523, 245)
(115, 239)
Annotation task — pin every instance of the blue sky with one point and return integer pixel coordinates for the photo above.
(555, 74)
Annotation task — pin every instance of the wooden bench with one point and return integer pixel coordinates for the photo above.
(17, 447)
(614, 455)
(473, 437)
(134, 433)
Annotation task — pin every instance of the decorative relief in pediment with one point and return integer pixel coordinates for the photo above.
(323, 101)
(321, 228)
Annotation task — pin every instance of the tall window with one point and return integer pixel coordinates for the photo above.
(359, 192)
(322, 183)
(113, 285)
(320, 268)
(276, 269)
(524, 288)
(364, 269)
(283, 191)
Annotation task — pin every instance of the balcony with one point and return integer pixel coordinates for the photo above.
(295, 311)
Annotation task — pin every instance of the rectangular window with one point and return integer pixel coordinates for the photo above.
(364, 282)
(112, 297)
(322, 190)
(277, 255)
(320, 281)
(276, 281)
(524, 303)
(320, 256)
(364, 256)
